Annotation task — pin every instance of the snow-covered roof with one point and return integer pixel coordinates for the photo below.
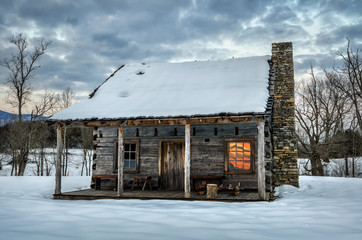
(234, 86)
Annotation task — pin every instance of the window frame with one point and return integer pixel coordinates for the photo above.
(252, 156)
(115, 156)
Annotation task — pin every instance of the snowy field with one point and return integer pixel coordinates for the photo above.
(322, 208)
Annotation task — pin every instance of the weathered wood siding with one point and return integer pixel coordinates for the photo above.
(208, 149)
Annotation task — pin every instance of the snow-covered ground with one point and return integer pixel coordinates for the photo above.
(322, 208)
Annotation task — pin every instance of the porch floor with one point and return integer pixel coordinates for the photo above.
(91, 194)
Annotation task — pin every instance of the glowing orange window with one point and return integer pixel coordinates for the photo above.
(239, 156)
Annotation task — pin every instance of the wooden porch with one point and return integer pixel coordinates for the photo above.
(91, 194)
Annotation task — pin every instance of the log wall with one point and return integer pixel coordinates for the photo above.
(208, 149)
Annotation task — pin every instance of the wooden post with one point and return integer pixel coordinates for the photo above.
(261, 160)
(120, 159)
(187, 161)
(58, 164)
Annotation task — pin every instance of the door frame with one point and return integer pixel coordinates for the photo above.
(160, 151)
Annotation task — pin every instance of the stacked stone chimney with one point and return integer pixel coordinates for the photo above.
(285, 168)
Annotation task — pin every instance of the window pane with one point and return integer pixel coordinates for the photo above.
(232, 156)
(132, 164)
(133, 155)
(133, 147)
(240, 156)
(232, 165)
(126, 164)
(126, 147)
(126, 155)
(232, 147)
(247, 147)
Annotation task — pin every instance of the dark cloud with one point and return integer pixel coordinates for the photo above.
(48, 13)
(240, 10)
(110, 40)
(304, 62)
(280, 15)
(353, 32)
(90, 38)
(72, 20)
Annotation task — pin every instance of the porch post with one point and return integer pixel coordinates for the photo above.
(58, 164)
(187, 161)
(120, 159)
(261, 160)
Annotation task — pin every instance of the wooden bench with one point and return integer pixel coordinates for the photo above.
(138, 179)
(98, 180)
(205, 178)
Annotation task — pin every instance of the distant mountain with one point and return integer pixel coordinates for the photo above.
(6, 117)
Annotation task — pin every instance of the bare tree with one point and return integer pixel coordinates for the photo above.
(320, 114)
(40, 131)
(46, 106)
(22, 65)
(87, 145)
(4, 143)
(27, 135)
(67, 99)
(350, 79)
(19, 142)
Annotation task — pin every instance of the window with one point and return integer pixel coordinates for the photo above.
(239, 156)
(130, 156)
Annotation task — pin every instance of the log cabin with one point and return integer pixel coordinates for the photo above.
(177, 126)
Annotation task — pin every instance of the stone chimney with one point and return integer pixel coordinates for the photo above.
(285, 167)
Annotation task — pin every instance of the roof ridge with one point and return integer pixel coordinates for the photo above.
(95, 90)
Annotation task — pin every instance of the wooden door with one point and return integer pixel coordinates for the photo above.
(172, 168)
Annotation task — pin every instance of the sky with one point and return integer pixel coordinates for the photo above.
(91, 39)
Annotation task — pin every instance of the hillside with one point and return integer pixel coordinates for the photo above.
(6, 117)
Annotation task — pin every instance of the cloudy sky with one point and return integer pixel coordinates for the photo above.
(90, 39)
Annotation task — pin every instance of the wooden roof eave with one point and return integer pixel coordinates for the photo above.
(159, 121)
(86, 123)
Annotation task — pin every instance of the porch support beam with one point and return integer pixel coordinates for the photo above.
(261, 160)
(120, 159)
(187, 161)
(58, 163)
